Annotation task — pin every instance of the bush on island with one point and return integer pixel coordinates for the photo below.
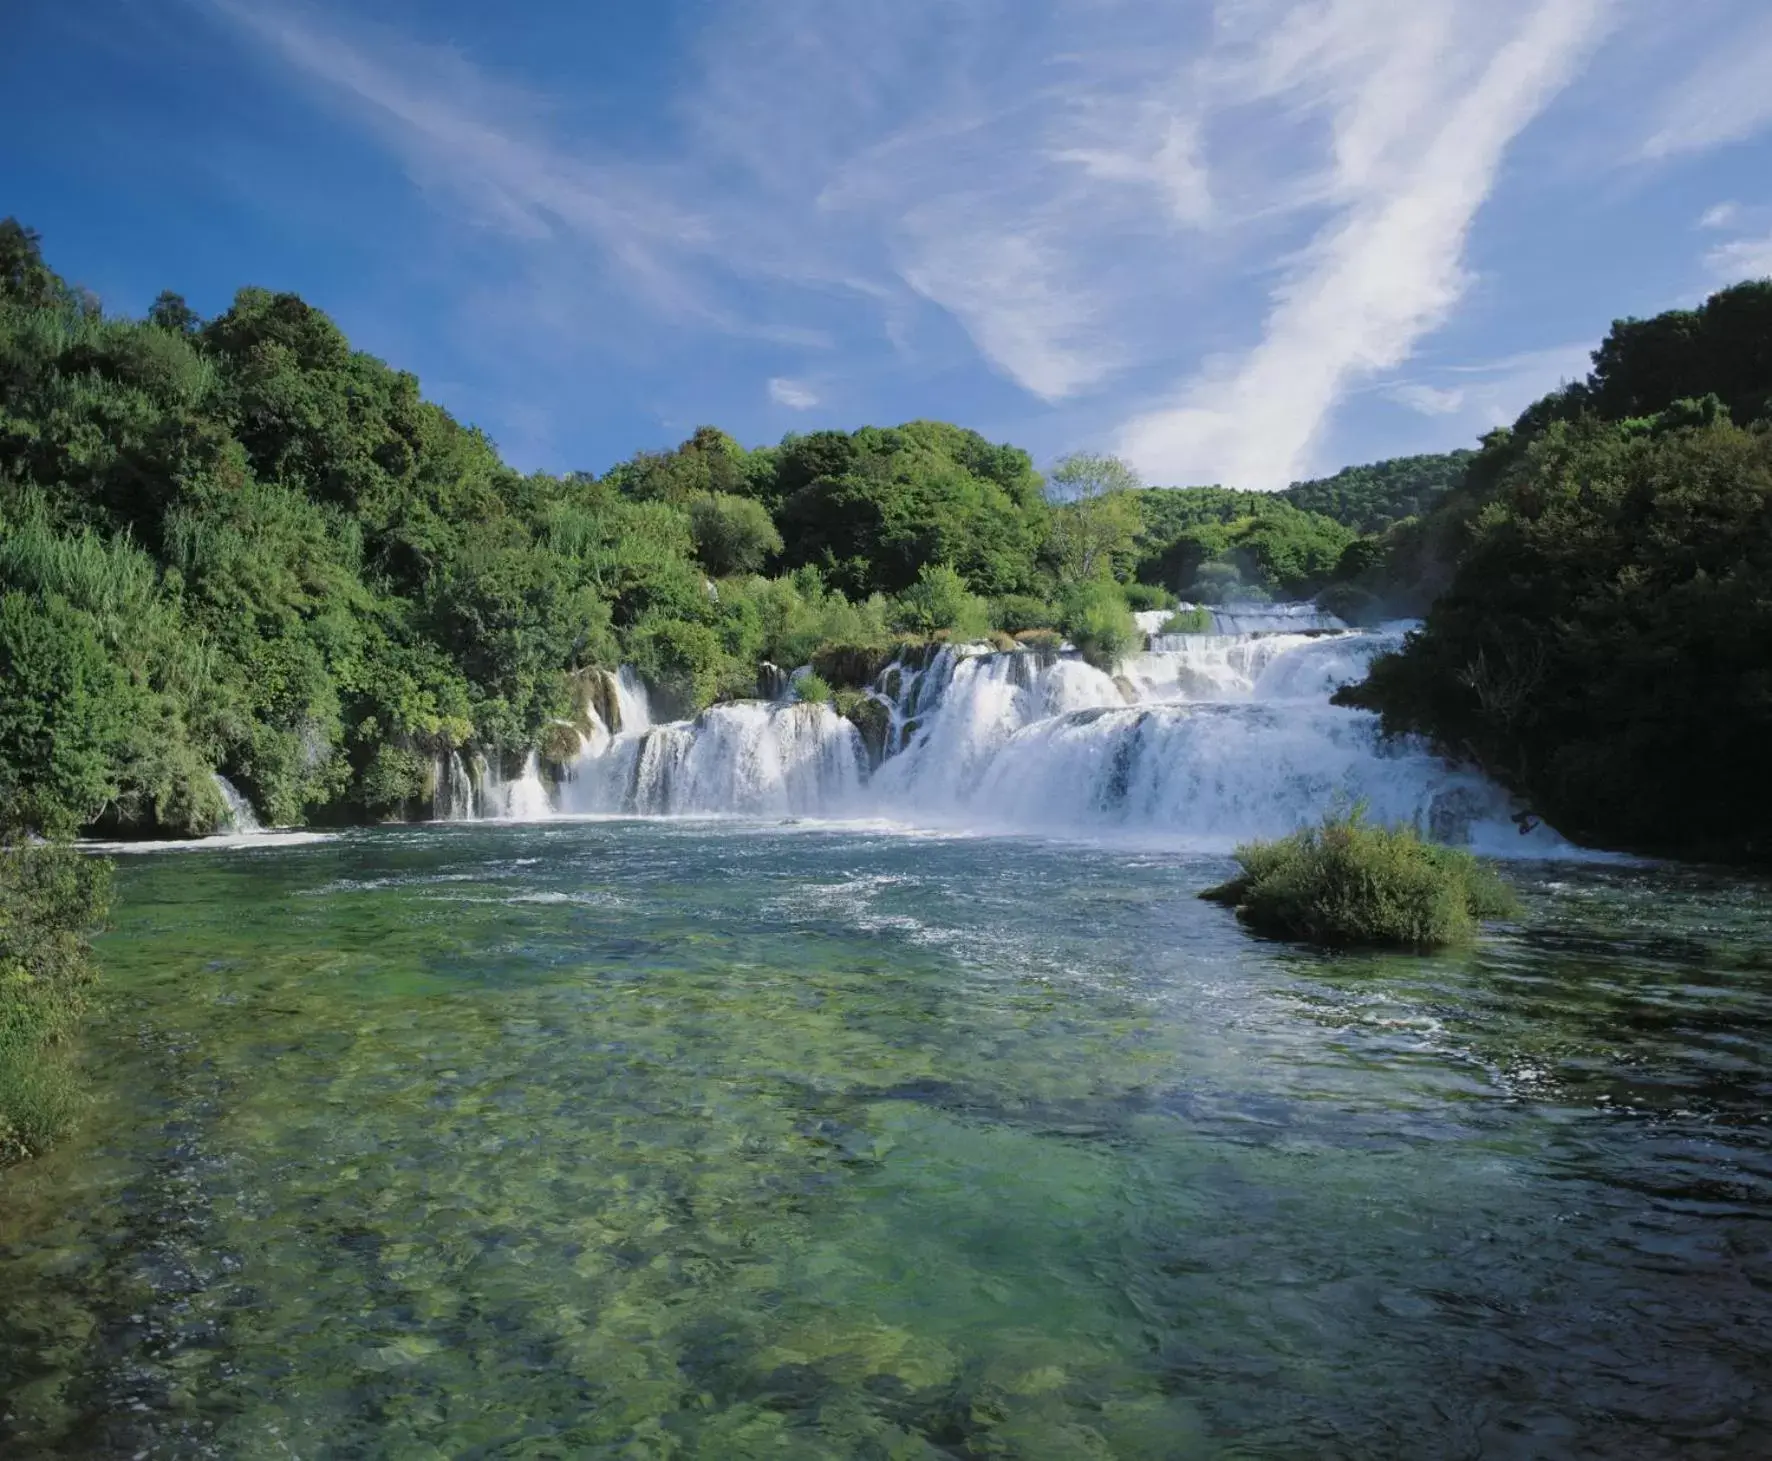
(1348, 882)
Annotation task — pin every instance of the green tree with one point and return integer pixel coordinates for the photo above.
(63, 717)
(940, 602)
(732, 534)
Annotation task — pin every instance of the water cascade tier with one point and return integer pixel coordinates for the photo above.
(1203, 739)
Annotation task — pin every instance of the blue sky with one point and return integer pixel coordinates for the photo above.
(1243, 241)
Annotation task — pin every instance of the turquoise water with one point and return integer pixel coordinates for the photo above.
(704, 1140)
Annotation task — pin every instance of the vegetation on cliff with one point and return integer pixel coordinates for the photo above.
(1603, 594)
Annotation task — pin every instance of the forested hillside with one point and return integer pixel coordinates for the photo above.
(1602, 589)
(1371, 498)
(238, 545)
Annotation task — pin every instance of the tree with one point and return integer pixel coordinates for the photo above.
(24, 278)
(1095, 521)
(732, 534)
(170, 312)
(940, 601)
(1601, 646)
(1090, 474)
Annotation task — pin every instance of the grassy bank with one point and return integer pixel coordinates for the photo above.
(50, 897)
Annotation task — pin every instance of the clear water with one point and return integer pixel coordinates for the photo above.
(685, 1139)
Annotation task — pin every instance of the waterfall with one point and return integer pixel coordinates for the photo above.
(1203, 739)
(453, 797)
(1208, 738)
(241, 821)
(524, 799)
(751, 757)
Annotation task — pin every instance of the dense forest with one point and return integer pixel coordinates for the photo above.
(238, 545)
(1599, 593)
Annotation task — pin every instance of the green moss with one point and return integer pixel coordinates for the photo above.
(868, 714)
(1349, 882)
(850, 666)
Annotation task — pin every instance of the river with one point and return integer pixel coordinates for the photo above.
(765, 1138)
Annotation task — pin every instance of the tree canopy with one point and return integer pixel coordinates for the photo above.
(1604, 594)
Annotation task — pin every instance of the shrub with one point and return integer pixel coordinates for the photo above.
(1140, 596)
(394, 776)
(50, 896)
(1350, 882)
(939, 600)
(732, 534)
(1098, 623)
(1192, 620)
(1013, 613)
(812, 689)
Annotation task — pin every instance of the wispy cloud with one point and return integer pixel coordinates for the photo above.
(1188, 228)
(482, 147)
(1422, 102)
(1426, 400)
(1742, 258)
(795, 395)
(1720, 216)
(1477, 396)
(1727, 99)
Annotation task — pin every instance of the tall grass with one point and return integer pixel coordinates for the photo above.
(1350, 882)
(50, 897)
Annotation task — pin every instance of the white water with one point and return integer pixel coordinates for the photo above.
(1204, 740)
(241, 820)
(750, 758)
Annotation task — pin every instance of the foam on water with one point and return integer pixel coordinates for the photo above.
(1202, 740)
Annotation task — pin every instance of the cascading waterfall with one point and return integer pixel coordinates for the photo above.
(241, 820)
(453, 799)
(1206, 739)
(751, 758)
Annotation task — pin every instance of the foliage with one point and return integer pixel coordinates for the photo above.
(1099, 624)
(940, 603)
(50, 898)
(1349, 882)
(1371, 498)
(1606, 629)
(1214, 545)
(393, 779)
(1083, 475)
(811, 689)
(1597, 593)
(1147, 596)
(1015, 612)
(1193, 619)
(1642, 369)
(732, 534)
(879, 506)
